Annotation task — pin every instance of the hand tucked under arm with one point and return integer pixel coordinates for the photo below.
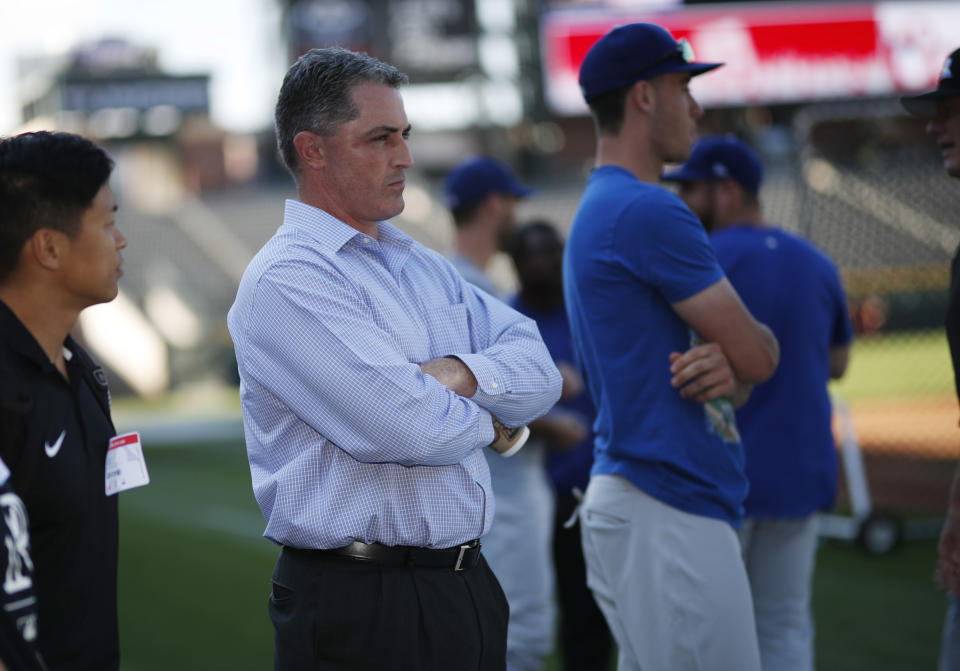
(703, 373)
(719, 316)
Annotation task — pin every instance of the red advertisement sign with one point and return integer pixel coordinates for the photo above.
(774, 53)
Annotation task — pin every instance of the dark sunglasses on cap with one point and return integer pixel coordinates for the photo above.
(683, 49)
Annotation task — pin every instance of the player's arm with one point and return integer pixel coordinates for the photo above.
(702, 373)
(665, 246)
(839, 358)
(841, 332)
(738, 351)
(719, 316)
(948, 549)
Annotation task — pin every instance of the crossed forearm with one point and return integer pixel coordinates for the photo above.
(453, 374)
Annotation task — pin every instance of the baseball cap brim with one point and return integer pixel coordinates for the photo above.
(925, 104)
(693, 68)
(697, 68)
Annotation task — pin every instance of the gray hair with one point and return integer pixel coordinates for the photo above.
(315, 95)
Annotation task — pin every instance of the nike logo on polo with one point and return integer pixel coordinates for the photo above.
(52, 450)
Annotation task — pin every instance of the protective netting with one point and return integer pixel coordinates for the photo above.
(868, 187)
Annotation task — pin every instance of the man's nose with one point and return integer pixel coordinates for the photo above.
(404, 157)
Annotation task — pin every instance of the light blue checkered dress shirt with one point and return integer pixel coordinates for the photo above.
(347, 438)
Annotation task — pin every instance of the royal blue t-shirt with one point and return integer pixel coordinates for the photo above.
(794, 288)
(633, 250)
(567, 468)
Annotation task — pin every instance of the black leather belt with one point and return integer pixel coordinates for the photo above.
(458, 558)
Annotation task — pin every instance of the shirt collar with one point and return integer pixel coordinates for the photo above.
(19, 339)
(611, 168)
(391, 235)
(332, 233)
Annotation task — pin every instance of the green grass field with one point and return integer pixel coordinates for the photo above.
(877, 613)
(904, 365)
(195, 574)
(194, 571)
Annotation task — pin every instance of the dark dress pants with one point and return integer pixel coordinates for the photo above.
(332, 614)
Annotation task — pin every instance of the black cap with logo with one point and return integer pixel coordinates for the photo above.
(925, 104)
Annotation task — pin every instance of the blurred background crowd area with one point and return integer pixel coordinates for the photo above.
(812, 85)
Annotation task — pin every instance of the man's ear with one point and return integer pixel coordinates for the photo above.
(310, 149)
(730, 193)
(492, 206)
(46, 247)
(642, 96)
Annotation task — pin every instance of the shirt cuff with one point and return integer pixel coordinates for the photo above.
(485, 431)
(490, 384)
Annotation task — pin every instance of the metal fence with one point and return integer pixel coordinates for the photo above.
(867, 186)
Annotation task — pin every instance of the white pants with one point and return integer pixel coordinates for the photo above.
(672, 585)
(779, 554)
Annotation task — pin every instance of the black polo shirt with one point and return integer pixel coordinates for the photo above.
(55, 444)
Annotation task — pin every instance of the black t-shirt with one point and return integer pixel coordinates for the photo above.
(953, 319)
(56, 447)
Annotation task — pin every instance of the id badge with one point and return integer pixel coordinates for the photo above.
(126, 467)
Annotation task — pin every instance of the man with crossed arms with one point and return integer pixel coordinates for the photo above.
(373, 379)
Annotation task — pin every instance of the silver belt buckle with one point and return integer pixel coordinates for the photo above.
(463, 550)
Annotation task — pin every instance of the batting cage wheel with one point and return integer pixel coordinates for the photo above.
(881, 533)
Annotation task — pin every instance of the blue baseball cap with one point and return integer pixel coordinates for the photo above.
(476, 178)
(925, 104)
(629, 53)
(720, 157)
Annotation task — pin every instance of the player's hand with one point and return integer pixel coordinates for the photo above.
(948, 564)
(572, 383)
(702, 373)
